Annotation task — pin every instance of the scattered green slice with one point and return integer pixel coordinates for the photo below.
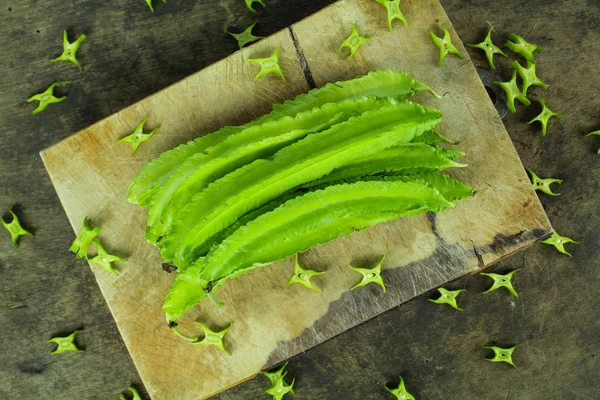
(137, 137)
(597, 133)
(393, 12)
(302, 276)
(501, 281)
(269, 65)
(246, 37)
(47, 97)
(400, 392)
(280, 388)
(149, 2)
(213, 338)
(134, 393)
(528, 76)
(444, 44)
(15, 229)
(105, 259)
(256, 184)
(448, 297)
(559, 242)
(353, 42)
(501, 355)
(302, 222)
(250, 4)
(520, 46)
(386, 83)
(370, 275)
(70, 50)
(544, 116)
(543, 185)
(513, 92)
(489, 48)
(65, 343)
(275, 375)
(82, 242)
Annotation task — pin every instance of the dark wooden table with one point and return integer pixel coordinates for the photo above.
(131, 53)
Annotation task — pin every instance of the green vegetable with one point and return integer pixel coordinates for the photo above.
(353, 42)
(246, 37)
(149, 2)
(269, 65)
(393, 12)
(501, 355)
(489, 48)
(279, 387)
(400, 392)
(544, 116)
(82, 242)
(15, 229)
(302, 276)
(311, 158)
(250, 4)
(559, 242)
(105, 259)
(528, 76)
(275, 375)
(378, 83)
(543, 185)
(134, 392)
(432, 137)
(371, 275)
(302, 222)
(445, 45)
(520, 46)
(448, 297)
(212, 338)
(65, 343)
(512, 92)
(137, 137)
(70, 50)
(595, 133)
(47, 97)
(501, 281)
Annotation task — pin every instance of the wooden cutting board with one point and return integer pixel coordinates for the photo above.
(91, 174)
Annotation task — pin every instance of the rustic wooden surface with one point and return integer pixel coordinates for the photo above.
(45, 292)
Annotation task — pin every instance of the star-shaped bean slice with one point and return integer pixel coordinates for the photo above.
(445, 45)
(448, 297)
(82, 242)
(303, 276)
(280, 388)
(521, 46)
(105, 259)
(275, 375)
(212, 338)
(489, 48)
(512, 92)
(372, 275)
(559, 242)
(149, 2)
(528, 76)
(250, 4)
(544, 116)
(501, 355)
(70, 50)
(15, 229)
(543, 185)
(393, 12)
(597, 133)
(246, 37)
(501, 281)
(65, 343)
(138, 136)
(134, 393)
(268, 65)
(353, 42)
(47, 97)
(400, 392)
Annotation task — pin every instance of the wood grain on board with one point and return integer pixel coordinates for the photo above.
(91, 174)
